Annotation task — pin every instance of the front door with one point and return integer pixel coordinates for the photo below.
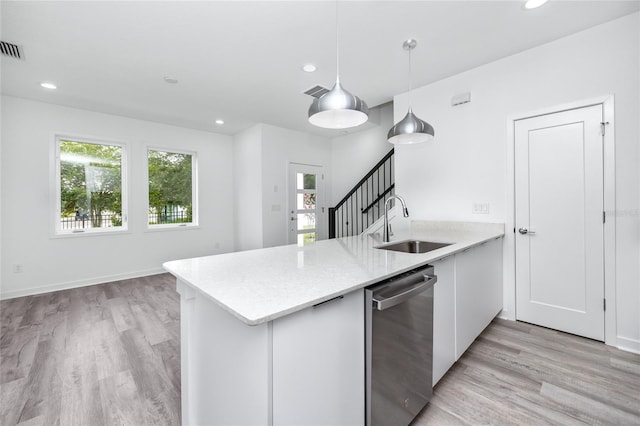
(559, 221)
(305, 192)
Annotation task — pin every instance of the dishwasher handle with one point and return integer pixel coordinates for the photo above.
(382, 303)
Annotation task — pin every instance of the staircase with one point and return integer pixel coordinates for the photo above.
(364, 204)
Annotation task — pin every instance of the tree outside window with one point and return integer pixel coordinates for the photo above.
(171, 187)
(90, 186)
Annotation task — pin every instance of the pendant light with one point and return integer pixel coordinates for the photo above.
(410, 129)
(338, 109)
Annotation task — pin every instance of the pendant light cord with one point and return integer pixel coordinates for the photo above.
(337, 46)
(409, 92)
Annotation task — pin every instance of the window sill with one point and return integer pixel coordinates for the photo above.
(90, 233)
(161, 228)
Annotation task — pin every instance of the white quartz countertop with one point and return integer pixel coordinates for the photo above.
(261, 285)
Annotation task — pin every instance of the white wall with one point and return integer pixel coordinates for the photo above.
(354, 154)
(247, 182)
(54, 263)
(281, 147)
(262, 159)
(467, 162)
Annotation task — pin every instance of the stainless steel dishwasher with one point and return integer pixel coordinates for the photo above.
(399, 343)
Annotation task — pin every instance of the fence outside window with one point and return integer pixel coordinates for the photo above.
(87, 221)
(170, 216)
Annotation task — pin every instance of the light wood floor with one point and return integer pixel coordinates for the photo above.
(522, 374)
(110, 355)
(102, 355)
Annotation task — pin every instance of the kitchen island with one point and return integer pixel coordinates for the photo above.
(276, 335)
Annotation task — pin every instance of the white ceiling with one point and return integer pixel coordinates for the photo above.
(241, 61)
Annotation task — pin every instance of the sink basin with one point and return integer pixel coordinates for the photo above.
(413, 246)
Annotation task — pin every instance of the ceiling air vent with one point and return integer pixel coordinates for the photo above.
(11, 50)
(316, 91)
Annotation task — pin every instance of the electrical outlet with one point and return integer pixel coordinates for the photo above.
(17, 268)
(480, 208)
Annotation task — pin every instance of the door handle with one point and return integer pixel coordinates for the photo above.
(384, 303)
(525, 231)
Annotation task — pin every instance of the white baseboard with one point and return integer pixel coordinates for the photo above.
(507, 315)
(622, 343)
(629, 345)
(79, 283)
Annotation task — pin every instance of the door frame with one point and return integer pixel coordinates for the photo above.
(509, 310)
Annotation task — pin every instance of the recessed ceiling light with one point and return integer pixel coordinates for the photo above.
(170, 80)
(48, 85)
(219, 122)
(309, 68)
(532, 4)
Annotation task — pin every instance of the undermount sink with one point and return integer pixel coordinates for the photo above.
(413, 246)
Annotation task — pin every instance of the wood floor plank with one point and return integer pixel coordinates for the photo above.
(169, 353)
(16, 356)
(43, 381)
(35, 311)
(80, 398)
(626, 366)
(36, 421)
(123, 317)
(10, 396)
(561, 357)
(121, 401)
(602, 413)
(110, 357)
(152, 328)
(528, 397)
(437, 416)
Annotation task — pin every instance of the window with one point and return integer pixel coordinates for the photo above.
(172, 188)
(90, 183)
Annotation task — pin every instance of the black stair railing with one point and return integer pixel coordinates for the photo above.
(364, 204)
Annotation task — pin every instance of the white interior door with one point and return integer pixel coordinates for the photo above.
(305, 201)
(559, 220)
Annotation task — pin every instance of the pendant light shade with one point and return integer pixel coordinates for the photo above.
(410, 129)
(338, 108)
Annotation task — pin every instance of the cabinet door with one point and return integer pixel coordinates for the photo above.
(444, 332)
(478, 291)
(318, 364)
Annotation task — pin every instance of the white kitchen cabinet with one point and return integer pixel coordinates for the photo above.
(224, 364)
(318, 364)
(478, 291)
(444, 318)
(302, 369)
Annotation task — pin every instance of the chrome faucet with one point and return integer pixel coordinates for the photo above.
(387, 228)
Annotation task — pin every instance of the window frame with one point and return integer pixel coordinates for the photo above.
(56, 188)
(195, 217)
